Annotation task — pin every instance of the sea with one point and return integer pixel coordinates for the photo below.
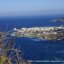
(36, 50)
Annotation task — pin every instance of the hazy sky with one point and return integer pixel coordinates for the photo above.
(31, 7)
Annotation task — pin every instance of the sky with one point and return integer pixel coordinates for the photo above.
(31, 7)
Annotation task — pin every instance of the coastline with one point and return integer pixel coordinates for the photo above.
(46, 33)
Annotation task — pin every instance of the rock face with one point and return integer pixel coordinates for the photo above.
(48, 33)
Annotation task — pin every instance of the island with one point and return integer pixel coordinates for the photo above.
(46, 33)
(58, 20)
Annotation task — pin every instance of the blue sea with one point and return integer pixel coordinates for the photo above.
(35, 49)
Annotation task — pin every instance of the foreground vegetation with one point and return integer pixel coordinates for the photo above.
(8, 54)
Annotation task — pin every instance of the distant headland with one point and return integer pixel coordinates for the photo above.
(46, 33)
(58, 20)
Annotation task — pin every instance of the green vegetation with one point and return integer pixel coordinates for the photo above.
(8, 54)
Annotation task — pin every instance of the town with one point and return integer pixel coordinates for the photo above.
(47, 33)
